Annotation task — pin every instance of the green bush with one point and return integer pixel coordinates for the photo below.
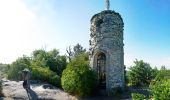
(55, 80)
(160, 90)
(78, 79)
(45, 75)
(137, 96)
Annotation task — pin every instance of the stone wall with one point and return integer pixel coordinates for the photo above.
(107, 37)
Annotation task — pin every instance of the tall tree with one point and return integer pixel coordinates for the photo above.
(51, 59)
(141, 73)
(163, 67)
(39, 57)
(77, 50)
(69, 53)
(17, 66)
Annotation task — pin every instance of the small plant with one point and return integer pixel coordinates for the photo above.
(137, 96)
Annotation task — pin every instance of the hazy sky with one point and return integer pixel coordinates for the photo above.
(26, 25)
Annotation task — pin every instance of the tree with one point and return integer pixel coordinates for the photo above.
(162, 74)
(141, 73)
(39, 58)
(17, 66)
(163, 67)
(70, 53)
(50, 59)
(3, 69)
(45, 66)
(77, 50)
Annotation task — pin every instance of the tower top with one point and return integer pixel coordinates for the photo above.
(107, 4)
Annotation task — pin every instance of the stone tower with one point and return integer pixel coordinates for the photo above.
(106, 50)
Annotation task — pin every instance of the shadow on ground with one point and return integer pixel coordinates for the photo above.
(31, 94)
(126, 95)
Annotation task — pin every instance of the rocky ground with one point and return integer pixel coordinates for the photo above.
(13, 90)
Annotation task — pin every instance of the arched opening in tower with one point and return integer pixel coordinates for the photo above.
(101, 69)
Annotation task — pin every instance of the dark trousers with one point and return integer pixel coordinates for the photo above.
(26, 84)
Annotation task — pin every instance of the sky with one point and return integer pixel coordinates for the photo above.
(27, 25)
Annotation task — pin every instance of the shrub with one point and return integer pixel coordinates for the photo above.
(137, 96)
(160, 90)
(78, 78)
(55, 80)
(45, 75)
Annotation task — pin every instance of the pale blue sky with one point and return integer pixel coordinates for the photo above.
(26, 25)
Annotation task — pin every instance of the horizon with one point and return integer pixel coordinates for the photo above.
(27, 25)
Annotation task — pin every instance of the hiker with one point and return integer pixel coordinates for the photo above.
(26, 74)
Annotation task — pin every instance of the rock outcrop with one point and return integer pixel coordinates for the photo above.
(39, 91)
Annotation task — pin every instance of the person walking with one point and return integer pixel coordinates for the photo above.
(26, 74)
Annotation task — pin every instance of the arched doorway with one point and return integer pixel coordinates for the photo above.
(101, 69)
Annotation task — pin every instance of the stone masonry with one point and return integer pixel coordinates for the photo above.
(107, 37)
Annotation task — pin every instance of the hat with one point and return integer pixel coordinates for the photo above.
(26, 70)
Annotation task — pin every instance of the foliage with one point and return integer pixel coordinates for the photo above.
(16, 67)
(45, 66)
(161, 90)
(57, 65)
(78, 78)
(46, 75)
(3, 69)
(163, 74)
(137, 96)
(77, 50)
(155, 72)
(69, 53)
(163, 67)
(50, 59)
(39, 57)
(141, 73)
(55, 80)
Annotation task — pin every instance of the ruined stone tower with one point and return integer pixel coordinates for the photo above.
(106, 50)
